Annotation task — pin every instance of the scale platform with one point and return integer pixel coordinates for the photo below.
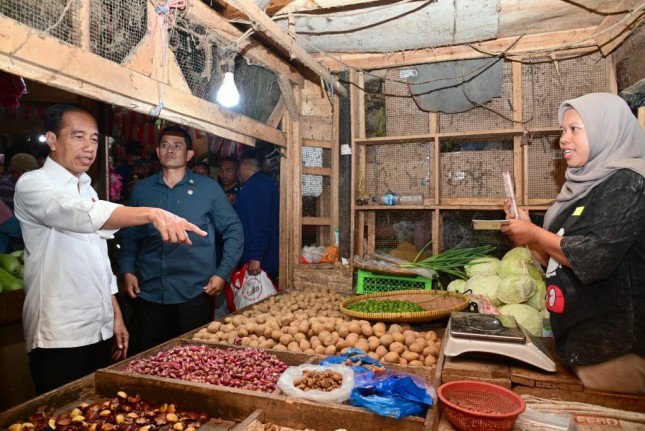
(498, 335)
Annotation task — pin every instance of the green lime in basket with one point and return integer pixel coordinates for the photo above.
(384, 306)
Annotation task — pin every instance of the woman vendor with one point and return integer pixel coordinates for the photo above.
(593, 245)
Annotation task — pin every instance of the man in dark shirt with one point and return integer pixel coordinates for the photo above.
(258, 206)
(228, 178)
(175, 285)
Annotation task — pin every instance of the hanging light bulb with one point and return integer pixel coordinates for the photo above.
(227, 95)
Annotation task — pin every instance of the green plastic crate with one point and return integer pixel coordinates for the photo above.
(368, 282)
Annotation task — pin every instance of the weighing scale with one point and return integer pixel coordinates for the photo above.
(499, 335)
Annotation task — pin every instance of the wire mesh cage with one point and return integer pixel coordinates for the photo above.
(457, 231)
(117, 27)
(314, 235)
(546, 83)
(316, 196)
(473, 169)
(402, 234)
(404, 169)
(546, 168)
(259, 90)
(56, 18)
(390, 110)
(496, 114)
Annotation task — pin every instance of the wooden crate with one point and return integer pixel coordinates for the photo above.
(237, 404)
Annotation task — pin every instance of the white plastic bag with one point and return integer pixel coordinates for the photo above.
(285, 383)
(246, 289)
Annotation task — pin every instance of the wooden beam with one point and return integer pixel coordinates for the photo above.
(316, 143)
(316, 221)
(277, 114)
(288, 97)
(199, 12)
(616, 27)
(320, 5)
(84, 23)
(25, 52)
(525, 46)
(310, 170)
(270, 29)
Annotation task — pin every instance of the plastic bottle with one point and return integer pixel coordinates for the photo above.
(409, 199)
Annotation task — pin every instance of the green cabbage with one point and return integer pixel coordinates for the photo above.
(537, 299)
(513, 266)
(527, 316)
(458, 286)
(482, 266)
(518, 253)
(515, 289)
(485, 285)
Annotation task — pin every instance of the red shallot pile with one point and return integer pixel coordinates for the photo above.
(251, 369)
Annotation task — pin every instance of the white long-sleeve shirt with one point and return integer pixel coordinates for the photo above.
(68, 279)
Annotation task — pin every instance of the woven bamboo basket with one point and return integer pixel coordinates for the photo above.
(436, 303)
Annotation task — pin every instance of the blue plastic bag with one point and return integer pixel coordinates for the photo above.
(390, 394)
(355, 355)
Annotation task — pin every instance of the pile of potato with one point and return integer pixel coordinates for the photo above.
(311, 322)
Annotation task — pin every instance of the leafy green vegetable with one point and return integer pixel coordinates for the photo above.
(458, 285)
(515, 289)
(450, 261)
(482, 266)
(485, 285)
(537, 299)
(519, 253)
(527, 316)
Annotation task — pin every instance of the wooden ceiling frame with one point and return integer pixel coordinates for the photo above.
(266, 26)
(25, 52)
(512, 47)
(199, 12)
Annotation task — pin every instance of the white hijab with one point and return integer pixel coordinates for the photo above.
(616, 141)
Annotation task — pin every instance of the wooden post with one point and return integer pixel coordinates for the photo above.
(520, 155)
(84, 27)
(295, 197)
(343, 154)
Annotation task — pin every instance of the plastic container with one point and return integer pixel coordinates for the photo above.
(368, 282)
(479, 406)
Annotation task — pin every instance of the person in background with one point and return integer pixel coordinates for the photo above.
(174, 285)
(593, 245)
(125, 168)
(201, 168)
(140, 170)
(258, 206)
(132, 154)
(229, 178)
(155, 166)
(71, 317)
(9, 227)
(18, 165)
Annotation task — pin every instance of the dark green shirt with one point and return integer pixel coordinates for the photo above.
(177, 273)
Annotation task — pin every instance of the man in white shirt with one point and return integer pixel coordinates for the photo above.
(71, 318)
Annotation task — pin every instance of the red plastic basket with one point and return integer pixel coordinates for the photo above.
(479, 406)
